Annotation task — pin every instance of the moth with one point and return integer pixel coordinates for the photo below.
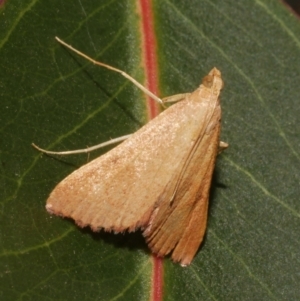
(157, 180)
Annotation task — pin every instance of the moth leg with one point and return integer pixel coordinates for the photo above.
(85, 150)
(175, 98)
(222, 146)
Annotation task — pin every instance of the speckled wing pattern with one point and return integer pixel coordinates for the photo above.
(157, 180)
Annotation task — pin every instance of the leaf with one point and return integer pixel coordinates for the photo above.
(53, 98)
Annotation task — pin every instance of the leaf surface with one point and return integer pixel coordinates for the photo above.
(59, 101)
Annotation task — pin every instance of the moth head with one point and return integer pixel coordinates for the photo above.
(213, 79)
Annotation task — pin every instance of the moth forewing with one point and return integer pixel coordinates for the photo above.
(158, 179)
(180, 225)
(194, 232)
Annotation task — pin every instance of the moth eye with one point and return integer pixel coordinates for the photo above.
(207, 81)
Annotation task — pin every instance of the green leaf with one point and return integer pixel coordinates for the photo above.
(52, 97)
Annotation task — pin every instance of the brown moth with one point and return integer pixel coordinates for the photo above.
(157, 180)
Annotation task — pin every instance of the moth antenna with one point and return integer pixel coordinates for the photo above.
(135, 82)
(85, 150)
